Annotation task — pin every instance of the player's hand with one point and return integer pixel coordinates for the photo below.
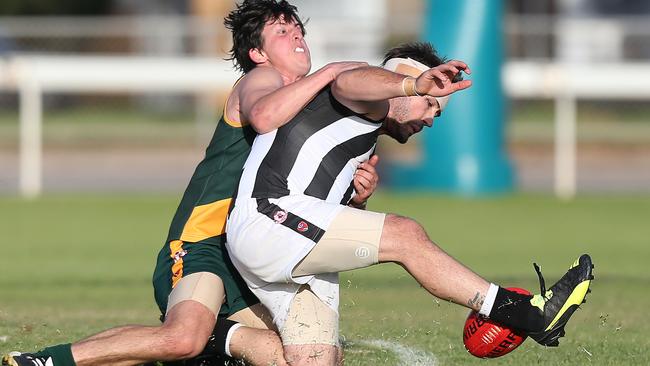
(335, 68)
(437, 81)
(365, 181)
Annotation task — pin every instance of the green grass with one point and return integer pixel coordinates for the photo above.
(74, 265)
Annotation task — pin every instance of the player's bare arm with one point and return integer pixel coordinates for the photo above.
(438, 81)
(264, 99)
(365, 90)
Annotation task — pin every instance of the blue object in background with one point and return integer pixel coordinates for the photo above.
(465, 150)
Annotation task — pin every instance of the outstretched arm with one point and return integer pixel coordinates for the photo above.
(267, 101)
(366, 89)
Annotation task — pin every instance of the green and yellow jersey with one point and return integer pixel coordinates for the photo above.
(201, 215)
(196, 239)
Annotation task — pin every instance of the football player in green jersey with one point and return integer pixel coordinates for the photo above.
(195, 284)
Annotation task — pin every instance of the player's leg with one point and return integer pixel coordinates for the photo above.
(360, 238)
(193, 306)
(542, 316)
(257, 347)
(249, 323)
(250, 335)
(310, 333)
(404, 241)
(190, 320)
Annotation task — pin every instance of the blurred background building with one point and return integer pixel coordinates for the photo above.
(148, 138)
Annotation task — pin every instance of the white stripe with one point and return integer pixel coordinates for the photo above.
(344, 178)
(259, 150)
(319, 144)
(406, 356)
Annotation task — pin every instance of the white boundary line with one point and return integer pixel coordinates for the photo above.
(406, 356)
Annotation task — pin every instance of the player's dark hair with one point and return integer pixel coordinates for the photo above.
(246, 23)
(422, 52)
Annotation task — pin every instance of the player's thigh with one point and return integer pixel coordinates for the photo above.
(352, 239)
(204, 288)
(183, 259)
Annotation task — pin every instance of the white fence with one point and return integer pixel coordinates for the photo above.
(566, 83)
(31, 76)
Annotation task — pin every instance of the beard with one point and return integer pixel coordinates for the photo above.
(399, 111)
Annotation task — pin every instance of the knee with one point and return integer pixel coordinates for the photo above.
(400, 236)
(181, 343)
(311, 355)
(403, 222)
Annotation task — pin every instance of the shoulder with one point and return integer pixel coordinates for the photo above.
(260, 77)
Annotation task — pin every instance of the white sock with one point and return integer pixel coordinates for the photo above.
(231, 331)
(491, 295)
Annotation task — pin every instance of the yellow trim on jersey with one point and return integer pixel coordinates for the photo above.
(176, 252)
(228, 120)
(225, 106)
(206, 221)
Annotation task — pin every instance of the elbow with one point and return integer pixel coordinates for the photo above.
(336, 87)
(339, 86)
(260, 120)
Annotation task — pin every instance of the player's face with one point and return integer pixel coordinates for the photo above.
(408, 116)
(285, 48)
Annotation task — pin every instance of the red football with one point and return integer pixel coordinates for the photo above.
(485, 339)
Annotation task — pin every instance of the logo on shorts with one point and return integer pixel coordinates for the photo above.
(302, 226)
(279, 216)
(180, 254)
(362, 252)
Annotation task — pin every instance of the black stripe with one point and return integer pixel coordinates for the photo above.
(334, 162)
(348, 194)
(290, 220)
(271, 179)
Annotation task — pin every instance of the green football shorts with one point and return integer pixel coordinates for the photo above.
(177, 259)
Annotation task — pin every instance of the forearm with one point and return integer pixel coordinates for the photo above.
(279, 107)
(369, 84)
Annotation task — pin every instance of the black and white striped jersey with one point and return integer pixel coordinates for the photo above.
(315, 154)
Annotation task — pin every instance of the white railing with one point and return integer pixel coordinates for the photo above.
(565, 83)
(31, 76)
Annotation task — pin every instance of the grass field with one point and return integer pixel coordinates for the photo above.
(73, 265)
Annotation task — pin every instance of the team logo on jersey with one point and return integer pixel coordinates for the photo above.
(280, 216)
(302, 226)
